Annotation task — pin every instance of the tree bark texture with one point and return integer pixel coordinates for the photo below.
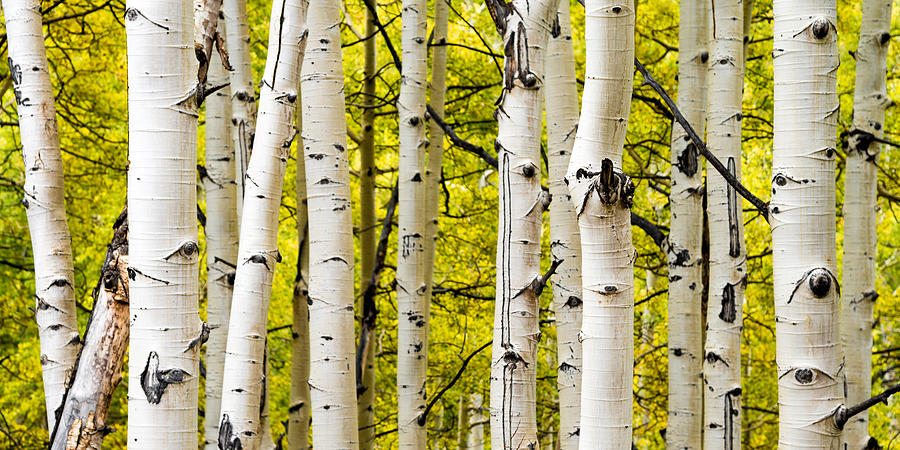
(243, 92)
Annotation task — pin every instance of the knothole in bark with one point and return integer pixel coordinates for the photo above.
(154, 381)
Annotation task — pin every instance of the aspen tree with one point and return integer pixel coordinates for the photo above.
(524, 26)
(413, 311)
(565, 244)
(475, 439)
(727, 261)
(221, 239)
(367, 221)
(243, 92)
(44, 199)
(685, 259)
(244, 385)
(602, 194)
(332, 384)
(860, 211)
(808, 352)
(166, 332)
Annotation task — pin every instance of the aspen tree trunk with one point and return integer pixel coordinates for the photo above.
(475, 439)
(727, 261)
(808, 351)
(516, 333)
(166, 332)
(44, 199)
(860, 212)
(98, 370)
(332, 377)
(266, 442)
(565, 244)
(685, 256)
(244, 384)
(602, 194)
(243, 92)
(367, 221)
(413, 313)
(462, 422)
(298, 411)
(221, 239)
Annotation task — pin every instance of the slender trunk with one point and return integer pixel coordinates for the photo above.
(727, 266)
(243, 388)
(808, 352)
(685, 256)
(332, 377)
(462, 422)
(221, 239)
(98, 369)
(243, 93)
(166, 332)
(412, 333)
(522, 202)
(860, 211)
(367, 233)
(475, 439)
(602, 194)
(44, 199)
(565, 245)
(298, 411)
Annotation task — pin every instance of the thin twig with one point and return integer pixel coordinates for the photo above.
(424, 416)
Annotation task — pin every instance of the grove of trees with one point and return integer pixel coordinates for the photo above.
(522, 224)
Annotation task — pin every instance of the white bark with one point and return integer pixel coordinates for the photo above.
(516, 333)
(413, 311)
(602, 195)
(475, 435)
(727, 260)
(332, 353)
(860, 212)
(436, 141)
(221, 239)
(808, 351)
(242, 90)
(245, 358)
(685, 258)
(565, 244)
(44, 199)
(162, 220)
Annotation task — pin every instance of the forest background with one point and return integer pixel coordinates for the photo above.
(86, 49)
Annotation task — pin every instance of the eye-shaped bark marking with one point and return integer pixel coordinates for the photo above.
(154, 381)
(819, 280)
(187, 250)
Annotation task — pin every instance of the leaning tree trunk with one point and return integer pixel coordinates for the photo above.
(860, 207)
(602, 195)
(243, 92)
(727, 261)
(166, 333)
(412, 310)
(298, 411)
(565, 244)
(685, 256)
(98, 370)
(332, 376)
(516, 333)
(44, 199)
(243, 389)
(221, 239)
(367, 231)
(802, 210)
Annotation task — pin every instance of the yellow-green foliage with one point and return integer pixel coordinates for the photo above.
(86, 46)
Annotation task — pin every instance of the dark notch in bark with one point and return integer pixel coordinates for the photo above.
(760, 205)
(227, 439)
(819, 281)
(734, 215)
(688, 159)
(729, 310)
(500, 11)
(15, 71)
(423, 417)
(555, 28)
(370, 309)
(154, 381)
(732, 415)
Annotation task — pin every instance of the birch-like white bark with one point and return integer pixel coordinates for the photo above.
(601, 195)
(808, 351)
(44, 199)
(727, 258)
(685, 256)
(562, 123)
(243, 387)
(331, 329)
(860, 212)
(475, 435)
(412, 310)
(243, 92)
(521, 204)
(221, 239)
(166, 333)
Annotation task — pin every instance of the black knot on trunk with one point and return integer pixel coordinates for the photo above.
(819, 283)
(884, 38)
(704, 57)
(528, 171)
(803, 376)
(820, 28)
